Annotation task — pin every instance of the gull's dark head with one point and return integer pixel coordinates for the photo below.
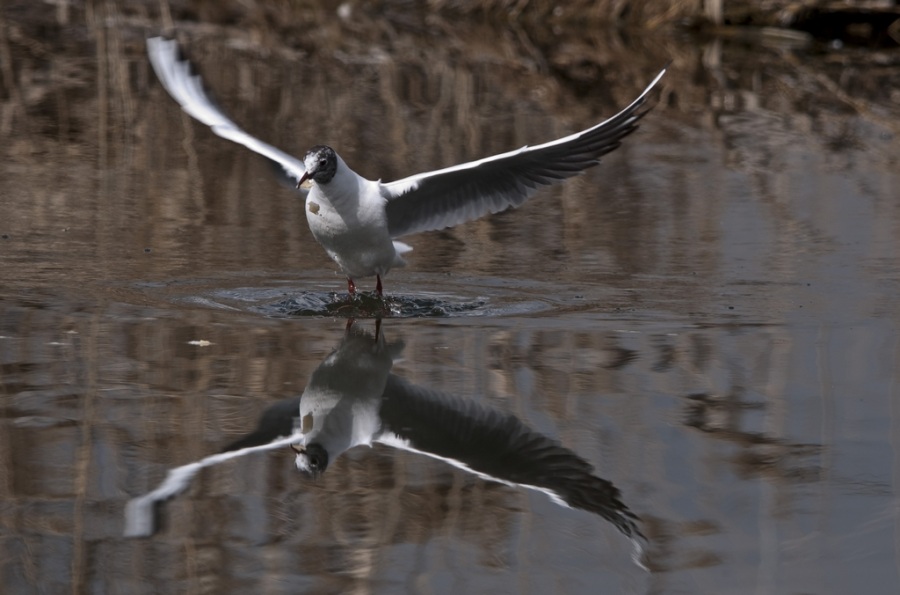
(312, 459)
(321, 165)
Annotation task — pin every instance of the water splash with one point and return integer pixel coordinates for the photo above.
(368, 305)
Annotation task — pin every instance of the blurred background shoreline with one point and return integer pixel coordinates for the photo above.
(77, 89)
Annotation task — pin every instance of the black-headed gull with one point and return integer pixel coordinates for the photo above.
(357, 220)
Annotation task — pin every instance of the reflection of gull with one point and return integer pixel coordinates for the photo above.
(339, 407)
(357, 220)
(353, 399)
(142, 513)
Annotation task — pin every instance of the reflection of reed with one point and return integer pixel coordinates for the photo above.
(390, 499)
(761, 453)
(159, 401)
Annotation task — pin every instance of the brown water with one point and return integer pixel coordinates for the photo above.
(709, 318)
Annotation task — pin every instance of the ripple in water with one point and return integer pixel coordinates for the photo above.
(367, 305)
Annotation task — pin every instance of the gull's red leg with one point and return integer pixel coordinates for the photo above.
(378, 286)
(351, 287)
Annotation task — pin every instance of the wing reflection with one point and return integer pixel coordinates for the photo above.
(353, 399)
(496, 446)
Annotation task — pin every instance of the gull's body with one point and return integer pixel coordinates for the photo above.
(357, 220)
(347, 217)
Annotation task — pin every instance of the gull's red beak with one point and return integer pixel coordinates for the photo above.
(303, 178)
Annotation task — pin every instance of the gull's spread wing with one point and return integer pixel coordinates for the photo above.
(448, 197)
(187, 89)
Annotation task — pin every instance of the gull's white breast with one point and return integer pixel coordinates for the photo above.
(346, 216)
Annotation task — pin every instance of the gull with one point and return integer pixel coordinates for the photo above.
(358, 221)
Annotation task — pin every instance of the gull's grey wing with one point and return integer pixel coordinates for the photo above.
(187, 89)
(448, 197)
(497, 446)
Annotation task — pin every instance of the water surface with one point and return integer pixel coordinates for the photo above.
(708, 320)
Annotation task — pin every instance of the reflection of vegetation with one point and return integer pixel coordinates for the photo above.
(760, 453)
